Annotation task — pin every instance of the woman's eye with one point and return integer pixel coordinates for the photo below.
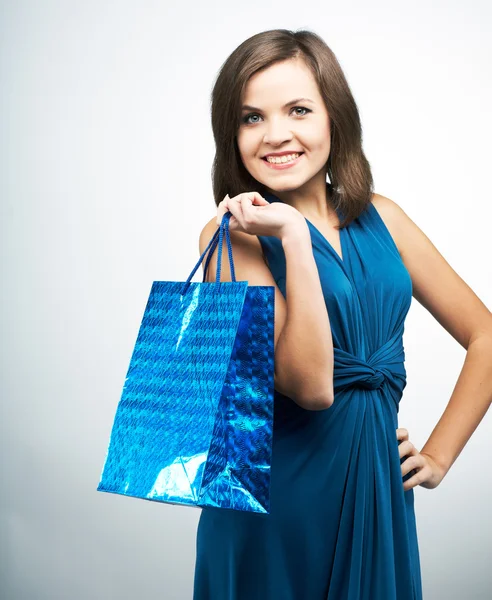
(302, 108)
(248, 122)
(245, 119)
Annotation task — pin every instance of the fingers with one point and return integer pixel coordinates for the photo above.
(232, 205)
(256, 198)
(241, 208)
(417, 479)
(222, 208)
(416, 465)
(418, 470)
(247, 210)
(235, 207)
(413, 463)
(407, 448)
(249, 200)
(402, 434)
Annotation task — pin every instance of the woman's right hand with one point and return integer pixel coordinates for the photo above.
(252, 214)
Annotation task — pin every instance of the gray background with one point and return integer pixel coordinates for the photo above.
(106, 150)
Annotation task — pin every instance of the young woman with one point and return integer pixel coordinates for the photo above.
(345, 263)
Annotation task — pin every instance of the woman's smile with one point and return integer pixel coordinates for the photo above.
(283, 165)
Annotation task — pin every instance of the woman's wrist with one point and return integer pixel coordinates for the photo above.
(295, 234)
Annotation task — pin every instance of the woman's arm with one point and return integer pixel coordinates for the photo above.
(467, 406)
(304, 354)
(303, 339)
(439, 289)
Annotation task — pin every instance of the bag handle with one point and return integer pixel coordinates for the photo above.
(213, 243)
(217, 238)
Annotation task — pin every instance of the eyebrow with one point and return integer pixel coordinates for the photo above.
(248, 107)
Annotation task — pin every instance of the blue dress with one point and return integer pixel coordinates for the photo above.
(341, 526)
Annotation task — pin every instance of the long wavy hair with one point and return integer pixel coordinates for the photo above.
(351, 182)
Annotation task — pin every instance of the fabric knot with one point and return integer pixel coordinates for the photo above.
(371, 382)
(382, 368)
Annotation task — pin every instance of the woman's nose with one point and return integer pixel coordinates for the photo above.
(277, 133)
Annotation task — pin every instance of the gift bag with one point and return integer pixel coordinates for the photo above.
(194, 424)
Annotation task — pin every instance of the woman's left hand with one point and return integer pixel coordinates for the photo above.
(428, 473)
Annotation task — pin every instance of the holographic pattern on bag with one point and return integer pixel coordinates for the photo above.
(194, 424)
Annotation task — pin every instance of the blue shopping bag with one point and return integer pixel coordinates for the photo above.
(194, 424)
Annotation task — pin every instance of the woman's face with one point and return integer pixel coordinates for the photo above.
(268, 125)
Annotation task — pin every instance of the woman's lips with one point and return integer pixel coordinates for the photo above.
(281, 166)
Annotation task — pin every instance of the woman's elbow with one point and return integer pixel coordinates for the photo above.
(320, 400)
(307, 397)
(321, 403)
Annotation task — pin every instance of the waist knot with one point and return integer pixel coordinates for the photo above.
(373, 381)
(384, 366)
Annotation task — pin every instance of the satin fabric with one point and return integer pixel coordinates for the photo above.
(340, 527)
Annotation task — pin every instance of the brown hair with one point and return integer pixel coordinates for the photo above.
(348, 168)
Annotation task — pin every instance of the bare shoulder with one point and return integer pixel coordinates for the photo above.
(436, 285)
(391, 213)
(245, 247)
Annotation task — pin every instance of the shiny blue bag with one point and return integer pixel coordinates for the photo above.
(194, 424)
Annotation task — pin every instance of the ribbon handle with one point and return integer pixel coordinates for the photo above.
(217, 238)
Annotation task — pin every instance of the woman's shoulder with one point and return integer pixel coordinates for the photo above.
(389, 212)
(240, 241)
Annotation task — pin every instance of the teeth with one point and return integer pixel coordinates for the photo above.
(282, 159)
